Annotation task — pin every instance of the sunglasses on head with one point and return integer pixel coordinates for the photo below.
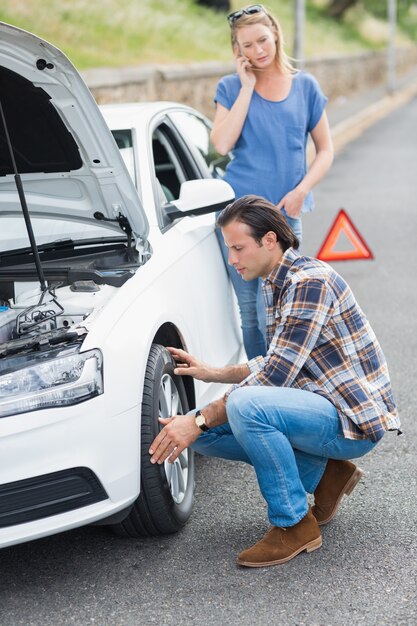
(251, 10)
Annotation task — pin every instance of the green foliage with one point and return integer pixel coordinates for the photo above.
(379, 7)
(333, 37)
(123, 32)
(128, 32)
(407, 17)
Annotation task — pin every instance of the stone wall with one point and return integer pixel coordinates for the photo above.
(195, 84)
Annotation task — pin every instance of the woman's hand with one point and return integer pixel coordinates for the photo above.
(245, 70)
(228, 123)
(292, 202)
(188, 365)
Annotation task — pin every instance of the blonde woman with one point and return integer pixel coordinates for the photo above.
(265, 112)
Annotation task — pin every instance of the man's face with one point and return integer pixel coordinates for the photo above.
(249, 258)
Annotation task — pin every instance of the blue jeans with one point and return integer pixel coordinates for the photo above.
(287, 435)
(250, 300)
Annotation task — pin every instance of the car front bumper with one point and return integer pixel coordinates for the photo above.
(67, 467)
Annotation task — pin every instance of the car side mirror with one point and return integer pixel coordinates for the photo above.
(199, 197)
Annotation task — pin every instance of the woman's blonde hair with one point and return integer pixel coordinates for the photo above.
(265, 18)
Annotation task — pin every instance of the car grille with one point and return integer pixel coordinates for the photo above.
(42, 496)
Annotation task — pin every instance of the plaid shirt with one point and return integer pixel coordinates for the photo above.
(319, 340)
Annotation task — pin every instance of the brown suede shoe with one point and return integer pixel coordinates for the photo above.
(282, 544)
(339, 479)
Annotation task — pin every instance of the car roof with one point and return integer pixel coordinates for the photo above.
(145, 111)
(128, 113)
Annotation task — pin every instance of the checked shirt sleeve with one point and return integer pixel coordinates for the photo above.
(305, 310)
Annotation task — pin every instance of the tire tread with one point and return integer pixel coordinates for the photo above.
(154, 511)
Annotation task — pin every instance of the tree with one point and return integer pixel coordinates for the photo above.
(218, 5)
(337, 8)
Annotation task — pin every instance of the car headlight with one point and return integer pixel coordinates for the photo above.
(65, 379)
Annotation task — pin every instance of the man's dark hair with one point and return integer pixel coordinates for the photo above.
(261, 216)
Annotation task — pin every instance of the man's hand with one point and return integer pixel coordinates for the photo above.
(188, 365)
(178, 433)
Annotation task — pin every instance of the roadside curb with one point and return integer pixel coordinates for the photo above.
(346, 131)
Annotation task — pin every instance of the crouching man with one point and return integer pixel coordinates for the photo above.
(320, 397)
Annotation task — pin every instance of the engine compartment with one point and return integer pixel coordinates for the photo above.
(80, 278)
(57, 315)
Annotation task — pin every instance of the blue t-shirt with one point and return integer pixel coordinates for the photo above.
(269, 158)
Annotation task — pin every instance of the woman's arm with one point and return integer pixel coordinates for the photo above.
(228, 124)
(293, 201)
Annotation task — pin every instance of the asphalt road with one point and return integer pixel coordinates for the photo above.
(365, 573)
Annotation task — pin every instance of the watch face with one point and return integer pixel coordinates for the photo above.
(200, 421)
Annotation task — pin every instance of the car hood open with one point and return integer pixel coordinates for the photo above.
(70, 165)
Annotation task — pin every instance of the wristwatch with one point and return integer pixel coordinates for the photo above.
(200, 421)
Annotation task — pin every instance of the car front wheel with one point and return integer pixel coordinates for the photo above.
(167, 490)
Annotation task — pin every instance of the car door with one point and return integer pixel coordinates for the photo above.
(182, 151)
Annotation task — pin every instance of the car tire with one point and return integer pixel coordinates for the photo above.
(167, 490)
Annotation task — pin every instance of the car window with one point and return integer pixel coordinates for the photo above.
(124, 142)
(168, 169)
(196, 131)
(173, 165)
(182, 150)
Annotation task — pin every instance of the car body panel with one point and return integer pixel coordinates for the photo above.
(178, 281)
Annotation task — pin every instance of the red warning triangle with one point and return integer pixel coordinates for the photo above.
(343, 228)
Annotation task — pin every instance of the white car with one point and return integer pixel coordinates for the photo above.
(108, 254)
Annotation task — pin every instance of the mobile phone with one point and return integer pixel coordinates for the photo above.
(243, 55)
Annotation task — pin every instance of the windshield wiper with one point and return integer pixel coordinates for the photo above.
(63, 244)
